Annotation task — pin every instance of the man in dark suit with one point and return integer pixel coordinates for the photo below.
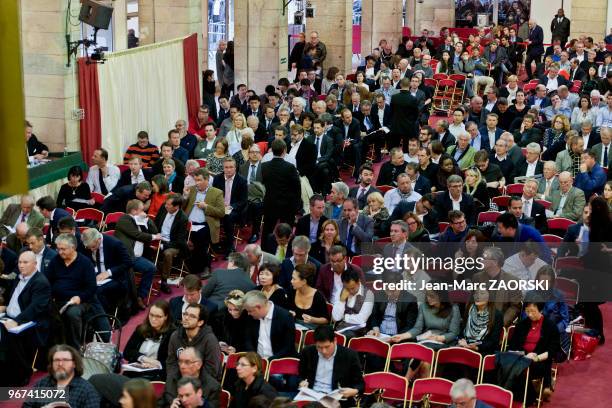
(327, 279)
(531, 165)
(192, 293)
(444, 200)
(553, 74)
(382, 110)
(236, 198)
(371, 133)
(355, 229)
(283, 190)
(535, 49)
(424, 207)
(532, 208)
(117, 201)
(560, 26)
(539, 100)
(365, 187)
(419, 183)
(47, 208)
(304, 152)
(136, 231)
(325, 164)
(112, 262)
(135, 174)
(300, 249)
(351, 138)
(406, 310)
(576, 73)
(271, 330)
(251, 172)
(222, 281)
(254, 108)
(270, 120)
(404, 116)
(311, 225)
(35, 241)
(171, 222)
(490, 133)
(343, 362)
(27, 300)
(590, 137)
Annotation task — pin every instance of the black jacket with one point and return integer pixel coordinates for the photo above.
(327, 149)
(35, 146)
(242, 395)
(388, 174)
(521, 169)
(549, 337)
(178, 231)
(404, 114)
(282, 334)
(406, 312)
(306, 158)
(346, 372)
(132, 353)
(444, 204)
(302, 227)
(282, 184)
(354, 131)
(240, 191)
(116, 258)
(176, 308)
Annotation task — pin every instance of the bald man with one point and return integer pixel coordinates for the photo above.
(22, 212)
(16, 240)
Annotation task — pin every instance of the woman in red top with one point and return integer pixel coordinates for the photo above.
(160, 192)
(538, 337)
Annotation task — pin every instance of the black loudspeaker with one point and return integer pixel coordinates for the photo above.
(96, 14)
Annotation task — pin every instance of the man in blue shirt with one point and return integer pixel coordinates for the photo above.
(178, 152)
(512, 233)
(592, 177)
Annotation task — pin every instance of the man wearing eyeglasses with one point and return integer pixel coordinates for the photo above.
(455, 200)
(193, 332)
(190, 362)
(65, 371)
(463, 395)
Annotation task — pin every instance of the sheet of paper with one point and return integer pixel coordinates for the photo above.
(22, 327)
(104, 281)
(355, 327)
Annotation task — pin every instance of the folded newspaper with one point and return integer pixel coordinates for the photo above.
(327, 400)
(138, 367)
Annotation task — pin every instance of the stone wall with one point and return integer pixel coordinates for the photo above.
(588, 18)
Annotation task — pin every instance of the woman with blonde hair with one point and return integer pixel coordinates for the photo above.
(231, 323)
(476, 186)
(376, 209)
(330, 236)
(235, 133)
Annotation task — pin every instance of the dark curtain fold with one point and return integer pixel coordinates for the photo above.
(89, 101)
(192, 75)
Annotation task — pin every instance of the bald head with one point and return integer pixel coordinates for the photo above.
(27, 263)
(565, 181)
(21, 230)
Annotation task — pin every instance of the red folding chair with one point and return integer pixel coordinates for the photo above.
(309, 338)
(509, 334)
(440, 76)
(411, 351)
(110, 233)
(487, 216)
(458, 355)
(576, 86)
(384, 188)
(514, 189)
(488, 364)
(158, 388)
(230, 364)
(298, 339)
(98, 198)
(112, 218)
(443, 225)
(570, 289)
(90, 214)
(430, 82)
(555, 239)
(370, 345)
(546, 204)
(560, 224)
(501, 201)
(494, 395)
(394, 387)
(263, 147)
(283, 366)
(71, 211)
(224, 399)
(529, 87)
(437, 390)
(383, 240)
(365, 262)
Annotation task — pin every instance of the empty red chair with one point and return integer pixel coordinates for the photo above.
(457, 77)
(515, 189)
(458, 355)
(488, 216)
(437, 390)
(501, 201)
(560, 223)
(494, 395)
(112, 218)
(415, 351)
(570, 289)
(576, 86)
(552, 238)
(394, 387)
(440, 76)
(158, 388)
(370, 345)
(90, 214)
(384, 188)
(263, 147)
(283, 366)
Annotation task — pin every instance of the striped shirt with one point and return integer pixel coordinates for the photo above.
(148, 154)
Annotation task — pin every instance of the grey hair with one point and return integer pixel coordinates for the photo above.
(254, 249)
(301, 101)
(254, 298)
(587, 123)
(301, 242)
(551, 163)
(534, 147)
(341, 188)
(67, 239)
(239, 260)
(192, 162)
(463, 388)
(454, 178)
(90, 235)
(402, 225)
(497, 254)
(28, 199)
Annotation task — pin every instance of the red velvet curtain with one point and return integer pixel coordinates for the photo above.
(192, 75)
(89, 100)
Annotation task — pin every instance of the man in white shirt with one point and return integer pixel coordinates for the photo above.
(604, 117)
(413, 150)
(271, 331)
(102, 177)
(354, 306)
(549, 182)
(403, 192)
(524, 264)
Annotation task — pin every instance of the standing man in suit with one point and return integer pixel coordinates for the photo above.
(205, 209)
(271, 331)
(310, 225)
(235, 196)
(171, 221)
(365, 187)
(355, 229)
(351, 138)
(251, 172)
(560, 26)
(222, 281)
(27, 299)
(324, 148)
(304, 152)
(136, 231)
(327, 365)
(112, 264)
(535, 49)
(371, 133)
(18, 213)
(568, 201)
(47, 208)
(283, 191)
(404, 116)
(35, 240)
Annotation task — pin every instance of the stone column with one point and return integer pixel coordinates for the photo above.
(334, 23)
(380, 19)
(120, 25)
(588, 18)
(260, 42)
(50, 88)
(432, 15)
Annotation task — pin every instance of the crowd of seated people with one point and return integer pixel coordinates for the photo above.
(527, 158)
